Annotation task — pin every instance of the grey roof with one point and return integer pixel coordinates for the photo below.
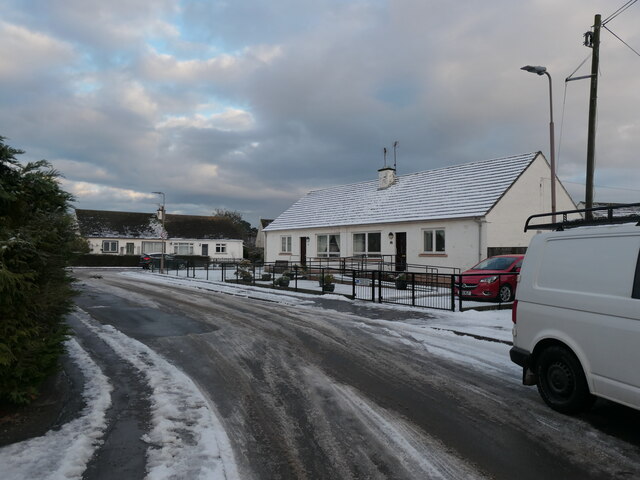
(109, 224)
(459, 191)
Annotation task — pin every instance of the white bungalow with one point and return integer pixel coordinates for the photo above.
(453, 216)
(135, 233)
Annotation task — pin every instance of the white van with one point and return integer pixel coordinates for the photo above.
(576, 316)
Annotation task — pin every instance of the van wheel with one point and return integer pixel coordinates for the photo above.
(561, 381)
(505, 293)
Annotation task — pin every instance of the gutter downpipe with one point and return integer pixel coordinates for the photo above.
(480, 221)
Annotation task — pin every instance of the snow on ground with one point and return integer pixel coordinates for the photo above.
(490, 324)
(186, 439)
(64, 453)
(190, 442)
(422, 454)
(485, 335)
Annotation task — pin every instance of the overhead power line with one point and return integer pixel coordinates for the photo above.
(618, 12)
(604, 186)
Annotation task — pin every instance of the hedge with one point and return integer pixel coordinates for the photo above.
(96, 260)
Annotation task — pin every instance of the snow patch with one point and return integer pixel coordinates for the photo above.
(64, 453)
(187, 439)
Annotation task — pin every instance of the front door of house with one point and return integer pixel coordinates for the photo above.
(401, 251)
(130, 248)
(205, 249)
(303, 251)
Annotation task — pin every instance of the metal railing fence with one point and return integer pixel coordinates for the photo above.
(438, 288)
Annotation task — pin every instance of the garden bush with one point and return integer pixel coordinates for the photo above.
(37, 241)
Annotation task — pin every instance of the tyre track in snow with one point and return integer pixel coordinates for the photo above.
(310, 394)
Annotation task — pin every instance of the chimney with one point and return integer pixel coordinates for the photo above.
(386, 177)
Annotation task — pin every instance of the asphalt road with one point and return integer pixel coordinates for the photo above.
(308, 393)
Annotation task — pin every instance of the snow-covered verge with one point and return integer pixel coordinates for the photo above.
(186, 439)
(64, 453)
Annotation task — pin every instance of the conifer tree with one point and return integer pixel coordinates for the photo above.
(37, 240)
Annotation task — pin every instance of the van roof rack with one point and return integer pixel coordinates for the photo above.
(625, 213)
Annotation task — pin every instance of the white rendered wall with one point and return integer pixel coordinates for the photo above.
(529, 195)
(233, 247)
(461, 242)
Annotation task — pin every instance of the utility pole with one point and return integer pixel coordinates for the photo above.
(593, 101)
(163, 235)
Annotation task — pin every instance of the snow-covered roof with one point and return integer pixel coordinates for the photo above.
(459, 191)
(109, 224)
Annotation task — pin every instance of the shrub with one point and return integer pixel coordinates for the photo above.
(37, 242)
(97, 260)
(326, 279)
(401, 282)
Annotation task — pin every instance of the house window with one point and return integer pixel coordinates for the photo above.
(221, 248)
(151, 247)
(285, 244)
(434, 241)
(183, 248)
(366, 243)
(110, 246)
(328, 245)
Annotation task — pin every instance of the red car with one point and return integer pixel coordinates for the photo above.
(494, 278)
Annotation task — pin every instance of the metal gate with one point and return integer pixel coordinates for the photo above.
(429, 289)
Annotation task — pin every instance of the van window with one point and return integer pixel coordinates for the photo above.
(636, 282)
(602, 265)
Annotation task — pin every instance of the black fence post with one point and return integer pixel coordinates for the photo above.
(353, 283)
(295, 274)
(373, 285)
(413, 289)
(380, 286)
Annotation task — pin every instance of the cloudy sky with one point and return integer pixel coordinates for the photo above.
(249, 104)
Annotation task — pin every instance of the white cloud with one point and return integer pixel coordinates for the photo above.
(96, 192)
(251, 104)
(229, 120)
(25, 53)
(224, 67)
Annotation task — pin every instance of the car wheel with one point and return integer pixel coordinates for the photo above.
(505, 293)
(561, 381)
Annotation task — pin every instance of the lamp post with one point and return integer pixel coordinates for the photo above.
(543, 71)
(163, 235)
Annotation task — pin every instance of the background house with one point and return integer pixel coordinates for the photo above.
(133, 233)
(260, 235)
(453, 216)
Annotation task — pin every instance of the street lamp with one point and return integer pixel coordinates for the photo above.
(163, 235)
(543, 71)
